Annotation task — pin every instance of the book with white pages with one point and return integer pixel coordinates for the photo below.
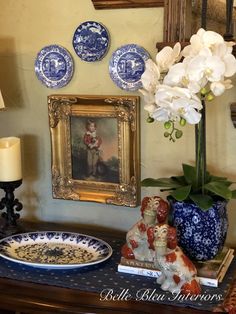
(155, 273)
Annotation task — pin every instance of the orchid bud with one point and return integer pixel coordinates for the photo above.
(204, 91)
(209, 97)
(167, 125)
(178, 134)
(182, 122)
(150, 120)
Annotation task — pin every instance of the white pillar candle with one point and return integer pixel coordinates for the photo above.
(10, 159)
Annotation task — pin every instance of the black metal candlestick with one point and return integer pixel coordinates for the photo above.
(11, 204)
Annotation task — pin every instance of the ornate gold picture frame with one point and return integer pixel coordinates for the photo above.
(95, 148)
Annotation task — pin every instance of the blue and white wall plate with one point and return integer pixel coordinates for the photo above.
(126, 66)
(91, 41)
(54, 66)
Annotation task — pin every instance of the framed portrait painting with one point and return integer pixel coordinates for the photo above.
(95, 148)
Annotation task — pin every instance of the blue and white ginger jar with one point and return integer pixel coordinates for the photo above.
(201, 234)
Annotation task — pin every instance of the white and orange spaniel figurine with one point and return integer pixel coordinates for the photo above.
(139, 239)
(178, 273)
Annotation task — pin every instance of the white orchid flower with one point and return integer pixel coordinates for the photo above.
(195, 44)
(195, 87)
(186, 109)
(149, 100)
(150, 77)
(218, 88)
(178, 76)
(167, 57)
(162, 114)
(230, 65)
(202, 39)
(170, 87)
(210, 67)
(210, 38)
(175, 103)
(224, 51)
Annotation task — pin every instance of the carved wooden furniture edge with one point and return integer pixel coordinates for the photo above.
(177, 20)
(34, 298)
(120, 4)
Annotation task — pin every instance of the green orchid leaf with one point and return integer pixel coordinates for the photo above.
(226, 183)
(219, 188)
(223, 180)
(180, 179)
(189, 174)
(203, 201)
(162, 182)
(216, 178)
(181, 194)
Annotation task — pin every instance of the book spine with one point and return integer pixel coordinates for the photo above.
(156, 273)
(225, 268)
(139, 271)
(210, 282)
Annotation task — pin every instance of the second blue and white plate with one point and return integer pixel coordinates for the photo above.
(91, 41)
(126, 66)
(54, 66)
(55, 249)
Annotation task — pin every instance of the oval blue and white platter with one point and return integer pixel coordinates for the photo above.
(54, 66)
(91, 41)
(54, 249)
(126, 66)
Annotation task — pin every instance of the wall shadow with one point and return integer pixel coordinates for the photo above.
(30, 169)
(10, 82)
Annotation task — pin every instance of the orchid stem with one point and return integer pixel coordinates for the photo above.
(200, 137)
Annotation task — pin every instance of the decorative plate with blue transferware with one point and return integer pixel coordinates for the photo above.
(54, 66)
(91, 41)
(126, 66)
(55, 249)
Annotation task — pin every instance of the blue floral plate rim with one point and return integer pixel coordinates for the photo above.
(100, 249)
(127, 82)
(66, 73)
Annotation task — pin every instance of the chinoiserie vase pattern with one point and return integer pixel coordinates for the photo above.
(201, 234)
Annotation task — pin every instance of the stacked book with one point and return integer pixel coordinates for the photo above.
(210, 273)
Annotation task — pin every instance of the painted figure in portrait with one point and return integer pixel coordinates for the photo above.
(94, 143)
